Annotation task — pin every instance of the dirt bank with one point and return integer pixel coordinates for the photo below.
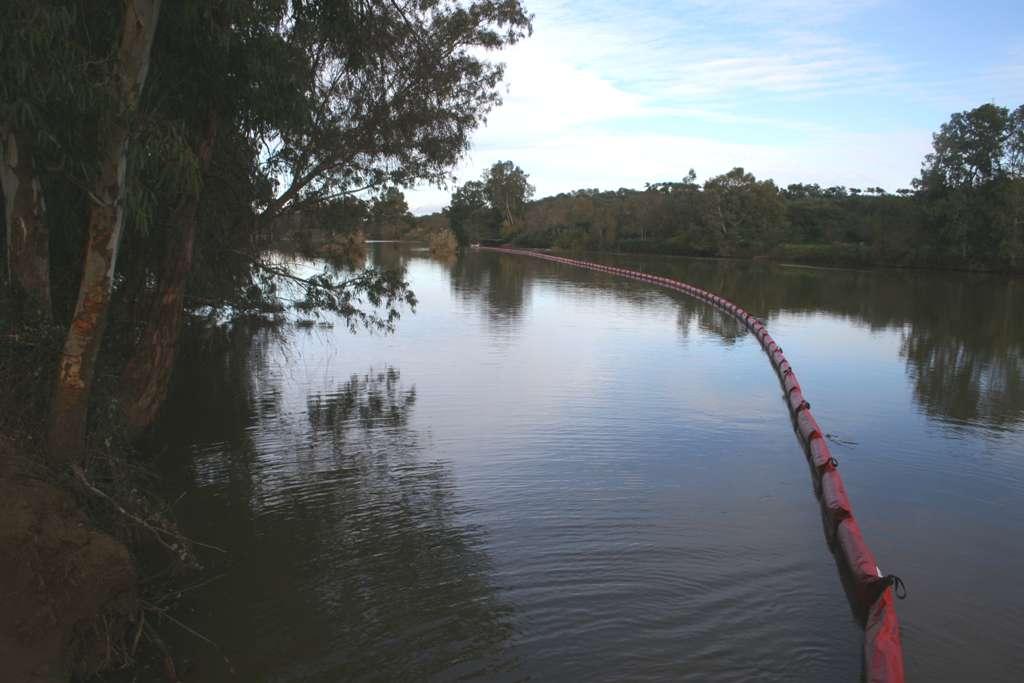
(67, 592)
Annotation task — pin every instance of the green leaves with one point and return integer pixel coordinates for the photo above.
(976, 147)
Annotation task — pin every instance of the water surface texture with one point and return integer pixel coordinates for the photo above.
(555, 474)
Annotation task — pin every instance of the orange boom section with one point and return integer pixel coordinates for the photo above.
(871, 591)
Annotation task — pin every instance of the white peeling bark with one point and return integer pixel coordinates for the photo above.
(106, 219)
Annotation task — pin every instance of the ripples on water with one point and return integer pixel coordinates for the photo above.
(554, 474)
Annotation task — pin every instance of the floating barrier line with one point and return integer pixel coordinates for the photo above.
(872, 590)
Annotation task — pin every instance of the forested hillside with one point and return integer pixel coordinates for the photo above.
(965, 211)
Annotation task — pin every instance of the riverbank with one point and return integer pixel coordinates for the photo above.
(70, 591)
(85, 550)
(819, 255)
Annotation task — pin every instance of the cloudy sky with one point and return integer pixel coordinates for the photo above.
(614, 94)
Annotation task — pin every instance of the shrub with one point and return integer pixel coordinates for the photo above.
(443, 242)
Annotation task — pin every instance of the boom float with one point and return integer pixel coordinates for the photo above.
(872, 591)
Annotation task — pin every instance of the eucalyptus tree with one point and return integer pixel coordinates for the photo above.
(328, 99)
(125, 74)
(976, 147)
(394, 89)
(389, 213)
(253, 110)
(508, 190)
(492, 206)
(47, 101)
(743, 208)
(973, 184)
(468, 212)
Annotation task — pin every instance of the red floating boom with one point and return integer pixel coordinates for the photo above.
(883, 653)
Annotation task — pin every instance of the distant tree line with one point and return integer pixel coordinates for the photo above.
(383, 216)
(966, 210)
(494, 206)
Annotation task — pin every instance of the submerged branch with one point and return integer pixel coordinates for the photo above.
(177, 549)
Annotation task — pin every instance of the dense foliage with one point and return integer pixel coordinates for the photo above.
(151, 150)
(966, 211)
(494, 205)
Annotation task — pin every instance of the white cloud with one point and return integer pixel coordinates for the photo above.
(609, 94)
(548, 95)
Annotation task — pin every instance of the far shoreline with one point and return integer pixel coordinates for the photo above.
(782, 261)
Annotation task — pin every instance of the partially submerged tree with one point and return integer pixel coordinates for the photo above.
(468, 212)
(389, 214)
(508, 190)
(389, 93)
(492, 206)
(252, 111)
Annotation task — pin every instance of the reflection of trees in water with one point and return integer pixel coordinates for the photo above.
(216, 378)
(385, 580)
(350, 556)
(373, 399)
(499, 282)
(448, 260)
(963, 334)
(965, 353)
(951, 379)
(390, 256)
(710, 320)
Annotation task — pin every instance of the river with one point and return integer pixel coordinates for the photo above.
(555, 474)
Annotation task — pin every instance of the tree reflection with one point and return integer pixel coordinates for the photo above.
(350, 556)
(216, 377)
(963, 335)
(501, 283)
(710, 320)
(391, 256)
(966, 355)
(373, 399)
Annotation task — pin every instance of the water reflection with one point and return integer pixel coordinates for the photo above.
(373, 400)
(351, 556)
(501, 284)
(218, 367)
(709, 320)
(394, 256)
(963, 334)
(590, 498)
(955, 380)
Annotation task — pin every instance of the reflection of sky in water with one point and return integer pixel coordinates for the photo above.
(613, 472)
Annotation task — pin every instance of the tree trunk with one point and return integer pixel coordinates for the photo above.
(147, 375)
(106, 219)
(28, 239)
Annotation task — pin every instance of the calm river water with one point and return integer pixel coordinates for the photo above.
(554, 474)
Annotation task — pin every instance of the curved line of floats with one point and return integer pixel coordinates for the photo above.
(872, 591)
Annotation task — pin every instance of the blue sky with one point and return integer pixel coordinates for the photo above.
(614, 94)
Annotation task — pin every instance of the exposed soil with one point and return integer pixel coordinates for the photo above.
(67, 592)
